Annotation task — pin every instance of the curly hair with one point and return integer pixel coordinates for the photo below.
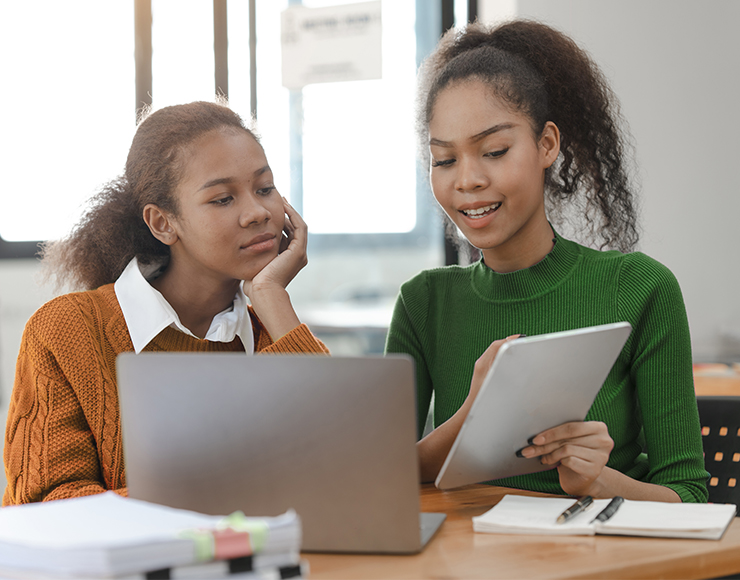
(543, 74)
(112, 231)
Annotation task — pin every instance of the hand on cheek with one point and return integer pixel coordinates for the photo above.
(291, 258)
(579, 449)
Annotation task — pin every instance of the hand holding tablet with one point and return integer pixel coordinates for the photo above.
(535, 383)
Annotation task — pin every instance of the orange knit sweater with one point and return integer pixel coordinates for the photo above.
(63, 435)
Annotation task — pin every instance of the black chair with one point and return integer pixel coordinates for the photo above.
(720, 429)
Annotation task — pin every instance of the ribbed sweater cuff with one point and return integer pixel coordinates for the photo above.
(298, 340)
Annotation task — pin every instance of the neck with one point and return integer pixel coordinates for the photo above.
(523, 250)
(195, 299)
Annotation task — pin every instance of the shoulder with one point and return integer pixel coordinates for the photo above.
(641, 274)
(634, 269)
(70, 312)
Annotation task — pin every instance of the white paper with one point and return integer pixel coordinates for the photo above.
(105, 519)
(516, 514)
(331, 44)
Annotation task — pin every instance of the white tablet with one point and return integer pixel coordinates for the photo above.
(535, 383)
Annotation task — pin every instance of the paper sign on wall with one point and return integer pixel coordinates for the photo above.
(331, 44)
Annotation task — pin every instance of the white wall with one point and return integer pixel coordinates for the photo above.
(675, 65)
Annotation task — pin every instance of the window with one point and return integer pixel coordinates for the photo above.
(344, 153)
(68, 104)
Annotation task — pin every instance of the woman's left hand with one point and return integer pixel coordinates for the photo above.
(579, 449)
(292, 257)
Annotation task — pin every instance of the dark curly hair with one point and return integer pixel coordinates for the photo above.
(113, 231)
(543, 74)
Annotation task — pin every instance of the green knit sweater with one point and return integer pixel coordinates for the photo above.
(445, 318)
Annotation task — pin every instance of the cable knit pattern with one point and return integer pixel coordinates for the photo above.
(445, 318)
(63, 434)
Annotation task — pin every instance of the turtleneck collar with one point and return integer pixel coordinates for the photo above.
(530, 282)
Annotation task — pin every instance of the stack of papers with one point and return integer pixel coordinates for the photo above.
(516, 514)
(108, 536)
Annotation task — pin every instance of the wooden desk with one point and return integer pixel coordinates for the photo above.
(458, 552)
(722, 385)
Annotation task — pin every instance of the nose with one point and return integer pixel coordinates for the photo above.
(253, 211)
(470, 176)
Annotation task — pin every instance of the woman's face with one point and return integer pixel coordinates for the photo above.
(231, 216)
(488, 172)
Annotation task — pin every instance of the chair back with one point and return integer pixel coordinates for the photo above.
(720, 429)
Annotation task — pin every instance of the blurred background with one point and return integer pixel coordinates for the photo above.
(75, 73)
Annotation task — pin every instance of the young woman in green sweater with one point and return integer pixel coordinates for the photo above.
(519, 128)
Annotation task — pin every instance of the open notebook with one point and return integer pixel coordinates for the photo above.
(517, 514)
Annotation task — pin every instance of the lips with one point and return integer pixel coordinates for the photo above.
(261, 239)
(479, 212)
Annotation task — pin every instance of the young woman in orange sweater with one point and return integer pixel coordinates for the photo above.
(167, 255)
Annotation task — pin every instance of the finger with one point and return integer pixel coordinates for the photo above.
(298, 228)
(597, 440)
(581, 467)
(285, 241)
(293, 216)
(490, 353)
(570, 430)
(593, 456)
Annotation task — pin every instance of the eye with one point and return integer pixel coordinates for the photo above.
(266, 190)
(498, 153)
(226, 200)
(443, 163)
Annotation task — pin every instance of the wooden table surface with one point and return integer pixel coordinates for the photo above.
(458, 552)
(717, 385)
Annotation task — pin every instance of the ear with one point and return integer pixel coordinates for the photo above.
(549, 144)
(160, 223)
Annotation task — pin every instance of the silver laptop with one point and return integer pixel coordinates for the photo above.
(333, 438)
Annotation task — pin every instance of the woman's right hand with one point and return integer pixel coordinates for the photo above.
(291, 259)
(267, 290)
(433, 449)
(483, 365)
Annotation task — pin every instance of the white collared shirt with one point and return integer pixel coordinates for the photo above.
(147, 313)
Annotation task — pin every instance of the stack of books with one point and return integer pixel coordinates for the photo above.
(108, 536)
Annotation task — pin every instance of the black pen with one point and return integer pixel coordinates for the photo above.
(609, 510)
(576, 508)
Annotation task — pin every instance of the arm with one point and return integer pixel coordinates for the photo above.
(404, 338)
(580, 450)
(50, 451)
(406, 335)
(433, 449)
(660, 370)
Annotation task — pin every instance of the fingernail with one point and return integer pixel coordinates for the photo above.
(522, 336)
(519, 453)
(531, 439)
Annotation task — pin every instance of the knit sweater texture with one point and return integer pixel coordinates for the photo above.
(63, 434)
(445, 318)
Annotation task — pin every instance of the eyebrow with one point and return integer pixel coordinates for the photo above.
(476, 137)
(228, 180)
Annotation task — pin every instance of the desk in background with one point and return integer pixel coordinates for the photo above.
(717, 380)
(458, 552)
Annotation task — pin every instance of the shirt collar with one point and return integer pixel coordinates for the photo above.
(147, 313)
